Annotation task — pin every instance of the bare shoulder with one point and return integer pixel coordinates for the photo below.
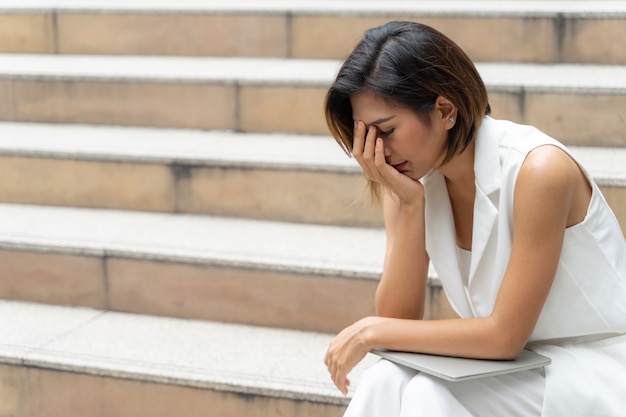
(550, 164)
(551, 182)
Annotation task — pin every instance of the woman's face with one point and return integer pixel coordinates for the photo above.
(411, 146)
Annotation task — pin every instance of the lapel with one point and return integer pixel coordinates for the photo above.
(487, 171)
(441, 241)
(440, 232)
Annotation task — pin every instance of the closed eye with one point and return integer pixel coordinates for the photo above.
(383, 135)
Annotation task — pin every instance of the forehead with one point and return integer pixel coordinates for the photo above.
(369, 107)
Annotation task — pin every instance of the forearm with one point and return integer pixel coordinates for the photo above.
(401, 292)
(481, 338)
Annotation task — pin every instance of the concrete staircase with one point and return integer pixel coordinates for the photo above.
(179, 235)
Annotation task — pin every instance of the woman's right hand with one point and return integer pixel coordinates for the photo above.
(369, 151)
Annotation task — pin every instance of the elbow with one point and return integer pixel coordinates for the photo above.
(506, 343)
(508, 346)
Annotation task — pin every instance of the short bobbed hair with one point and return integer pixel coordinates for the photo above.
(409, 65)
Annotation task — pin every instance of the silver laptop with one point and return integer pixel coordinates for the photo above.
(462, 369)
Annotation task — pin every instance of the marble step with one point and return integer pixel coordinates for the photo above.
(288, 275)
(578, 104)
(92, 362)
(525, 31)
(295, 178)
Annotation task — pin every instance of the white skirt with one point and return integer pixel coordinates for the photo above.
(585, 378)
(390, 390)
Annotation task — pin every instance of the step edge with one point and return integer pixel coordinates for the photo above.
(537, 9)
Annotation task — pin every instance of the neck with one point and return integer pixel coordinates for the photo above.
(460, 169)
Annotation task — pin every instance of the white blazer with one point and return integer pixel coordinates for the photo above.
(586, 305)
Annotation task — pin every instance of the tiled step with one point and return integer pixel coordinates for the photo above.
(61, 361)
(529, 31)
(578, 104)
(265, 176)
(299, 276)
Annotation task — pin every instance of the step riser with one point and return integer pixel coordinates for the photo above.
(285, 195)
(574, 39)
(37, 392)
(298, 196)
(286, 300)
(575, 119)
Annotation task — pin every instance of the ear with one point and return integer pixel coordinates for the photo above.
(445, 112)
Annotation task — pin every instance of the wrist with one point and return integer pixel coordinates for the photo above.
(368, 332)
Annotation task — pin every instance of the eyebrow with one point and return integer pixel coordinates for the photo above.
(383, 120)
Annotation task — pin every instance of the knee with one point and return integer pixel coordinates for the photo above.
(426, 395)
(424, 384)
(387, 375)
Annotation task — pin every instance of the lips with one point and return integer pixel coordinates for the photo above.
(400, 167)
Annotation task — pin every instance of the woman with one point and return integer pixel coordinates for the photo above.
(527, 249)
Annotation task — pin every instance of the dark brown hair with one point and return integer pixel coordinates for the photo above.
(410, 65)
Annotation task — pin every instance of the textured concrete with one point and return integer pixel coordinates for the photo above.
(218, 173)
(531, 31)
(53, 278)
(283, 95)
(251, 362)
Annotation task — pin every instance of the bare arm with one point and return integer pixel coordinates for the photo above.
(401, 291)
(550, 194)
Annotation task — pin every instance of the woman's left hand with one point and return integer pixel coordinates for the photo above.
(346, 350)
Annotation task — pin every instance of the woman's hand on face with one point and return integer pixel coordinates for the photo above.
(369, 151)
(346, 350)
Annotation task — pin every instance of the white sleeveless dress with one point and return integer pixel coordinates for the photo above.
(582, 327)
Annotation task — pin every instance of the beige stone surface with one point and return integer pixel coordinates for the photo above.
(500, 38)
(325, 36)
(322, 36)
(173, 34)
(12, 390)
(508, 106)
(79, 183)
(437, 305)
(289, 195)
(26, 33)
(239, 296)
(581, 119)
(616, 197)
(282, 109)
(52, 279)
(122, 103)
(36, 392)
(595, 41)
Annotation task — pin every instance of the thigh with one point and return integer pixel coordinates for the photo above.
(516, 394)
(380, 390)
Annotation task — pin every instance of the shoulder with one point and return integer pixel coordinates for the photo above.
(547, 183)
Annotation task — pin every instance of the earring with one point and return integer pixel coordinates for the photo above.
(451, 119)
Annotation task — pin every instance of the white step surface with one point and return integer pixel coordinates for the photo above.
(236, 358)
(509, 77)
(534, 8)
(174, 146)
(221, 148)
(206, 240)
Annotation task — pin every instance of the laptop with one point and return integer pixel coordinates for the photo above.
(462, 369)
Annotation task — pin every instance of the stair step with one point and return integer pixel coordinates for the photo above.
(80, 356)
(531, 31)
(265, 176)
(574, 103)
(289, 275)
(283, 177)
(235, 270)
